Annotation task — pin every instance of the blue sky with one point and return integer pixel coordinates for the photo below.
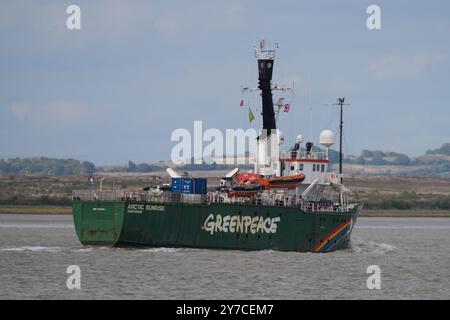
(116, 89)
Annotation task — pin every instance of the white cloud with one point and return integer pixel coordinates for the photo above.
(55, 113)
(402, 67)
(182, 20)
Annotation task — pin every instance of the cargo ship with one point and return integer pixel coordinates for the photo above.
(290, 201)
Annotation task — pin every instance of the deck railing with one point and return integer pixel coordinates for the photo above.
(261, 199)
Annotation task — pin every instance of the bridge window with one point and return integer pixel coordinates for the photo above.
(314, 167)
(292, 168)
(322, 168)
(301, 167)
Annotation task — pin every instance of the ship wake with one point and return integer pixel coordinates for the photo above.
(31, 249)
(370, 247)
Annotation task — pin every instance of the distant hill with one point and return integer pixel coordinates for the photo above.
(443, 150)
(43, 165)
(379, 158)
(434, 163)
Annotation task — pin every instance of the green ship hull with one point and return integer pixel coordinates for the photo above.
(214, 226)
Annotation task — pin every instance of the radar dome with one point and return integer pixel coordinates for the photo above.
(326, 138)
(299, 138)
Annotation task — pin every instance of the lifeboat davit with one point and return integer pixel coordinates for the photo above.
(244, 190)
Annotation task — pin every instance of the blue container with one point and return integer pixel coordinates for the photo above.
(187, 185)
(200, 186)
(176, 185)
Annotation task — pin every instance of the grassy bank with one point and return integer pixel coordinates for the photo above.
(406, 213)
(35, 210)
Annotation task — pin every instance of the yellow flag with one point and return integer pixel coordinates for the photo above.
(251, 117)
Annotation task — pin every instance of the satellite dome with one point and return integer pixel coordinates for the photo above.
(299, 139)
(326, 138)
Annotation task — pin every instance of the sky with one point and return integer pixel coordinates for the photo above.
(117, 88)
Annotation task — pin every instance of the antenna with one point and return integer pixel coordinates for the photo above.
(341, 104)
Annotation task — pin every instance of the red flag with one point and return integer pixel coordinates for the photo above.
(242, 103)
(287, 107)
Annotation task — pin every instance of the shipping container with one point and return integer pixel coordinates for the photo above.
(176, 185)
(187, 185)
(200, 186)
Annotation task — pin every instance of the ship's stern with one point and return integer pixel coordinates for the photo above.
(98, 222)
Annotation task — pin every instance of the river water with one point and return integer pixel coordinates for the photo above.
(413, 255)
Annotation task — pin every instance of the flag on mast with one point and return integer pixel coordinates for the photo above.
(251, 116)
(242, 103)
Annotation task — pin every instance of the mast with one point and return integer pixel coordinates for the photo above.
(268, 141)
(341, 105)
(341, 125)
(265, 68)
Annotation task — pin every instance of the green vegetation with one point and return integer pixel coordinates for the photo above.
(142, 167)
(377, 158)
(434, 163)
(213, 166)
(405, 213)
(406, 200)
(42, 165)
(41, 209)
(444, 149)
(401, 195)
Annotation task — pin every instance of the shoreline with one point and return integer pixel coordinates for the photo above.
(67, 210)
(406, 213)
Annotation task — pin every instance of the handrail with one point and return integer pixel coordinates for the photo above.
(263, 199)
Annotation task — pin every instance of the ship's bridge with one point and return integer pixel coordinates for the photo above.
(313, 164)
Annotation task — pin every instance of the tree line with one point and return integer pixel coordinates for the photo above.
(43, 165)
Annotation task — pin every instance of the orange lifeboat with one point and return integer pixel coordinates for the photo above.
(288, 182)
(248, 178)
(252, 180)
